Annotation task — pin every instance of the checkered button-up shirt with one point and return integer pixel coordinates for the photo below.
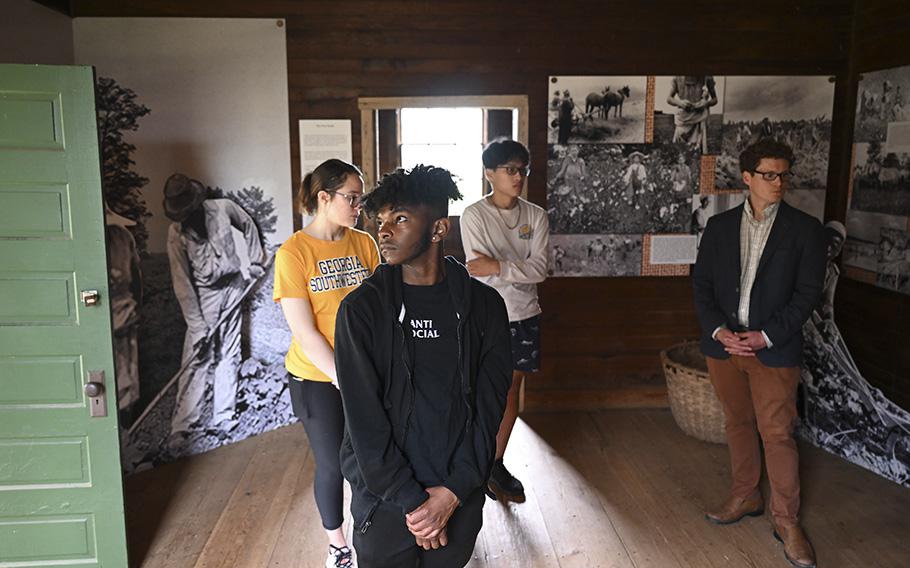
(753, 236)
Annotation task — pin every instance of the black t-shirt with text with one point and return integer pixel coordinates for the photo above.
(436, 423)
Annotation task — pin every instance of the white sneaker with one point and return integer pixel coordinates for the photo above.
(340, 558)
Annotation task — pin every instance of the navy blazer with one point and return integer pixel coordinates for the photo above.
(788, 284)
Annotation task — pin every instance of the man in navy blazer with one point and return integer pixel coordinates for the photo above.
(759, 274)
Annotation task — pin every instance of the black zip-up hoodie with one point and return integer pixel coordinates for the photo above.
(377, 388)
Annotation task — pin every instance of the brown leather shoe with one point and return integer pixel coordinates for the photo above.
(735, 509)
(797, 547)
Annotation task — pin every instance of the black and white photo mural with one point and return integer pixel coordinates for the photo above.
(882, 105)
(707, 205)
(689, 109)
(841, 412)
(596, 110)
(196, 177)
(641, 163)
(794, 110)
(621, 188)
(811, 201)
(878, 218)
(595, 255)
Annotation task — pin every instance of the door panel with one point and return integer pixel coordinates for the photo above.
(30, 120)
(61, 497)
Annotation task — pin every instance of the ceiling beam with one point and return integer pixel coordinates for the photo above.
(62, 6)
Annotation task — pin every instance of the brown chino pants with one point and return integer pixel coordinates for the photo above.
(752, 393)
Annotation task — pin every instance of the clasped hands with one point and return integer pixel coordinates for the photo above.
(743, 343)
(428, 521)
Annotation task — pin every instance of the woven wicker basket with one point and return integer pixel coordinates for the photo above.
(693, 402)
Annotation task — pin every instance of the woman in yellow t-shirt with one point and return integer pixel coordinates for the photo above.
(314, 270)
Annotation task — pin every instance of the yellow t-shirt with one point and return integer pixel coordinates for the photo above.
(323, 272)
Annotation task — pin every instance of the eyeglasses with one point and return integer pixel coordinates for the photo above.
(524, 171)
(772, 176)
(355, 200)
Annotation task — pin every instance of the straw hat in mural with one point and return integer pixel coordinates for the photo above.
(182, 196)
(639, 154)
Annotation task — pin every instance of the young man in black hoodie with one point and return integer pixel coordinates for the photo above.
(424, 365)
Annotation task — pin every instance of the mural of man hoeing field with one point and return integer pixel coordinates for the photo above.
(196, 178)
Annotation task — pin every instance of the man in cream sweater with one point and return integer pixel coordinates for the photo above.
(505, 243)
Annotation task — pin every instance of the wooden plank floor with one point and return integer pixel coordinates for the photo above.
(620, 488)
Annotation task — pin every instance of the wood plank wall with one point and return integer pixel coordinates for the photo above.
(598, 334)
(876, 322)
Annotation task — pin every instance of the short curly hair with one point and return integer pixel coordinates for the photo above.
(765, 148)
(430, 186)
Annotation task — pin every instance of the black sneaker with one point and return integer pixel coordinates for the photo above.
(502, 485)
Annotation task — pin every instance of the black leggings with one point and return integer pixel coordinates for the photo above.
(318, 405)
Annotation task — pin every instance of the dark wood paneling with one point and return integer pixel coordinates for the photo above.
(595, 331)
(881, 34)
(611, 329)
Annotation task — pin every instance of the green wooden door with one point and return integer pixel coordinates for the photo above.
(61, 494)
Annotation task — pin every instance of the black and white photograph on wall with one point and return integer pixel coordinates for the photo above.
(811, 201)
(883, 98)
(705, 206)
(881, 179)
(794, 110)
(862, 255)
(841, 412)
(689, 109)
(590, 109)
(621, 188)
(866, 226)
(125, 289)
(894, 260)
(863, 236)
(847, 416)
(199, 199)
(879, 211)
(595, 255)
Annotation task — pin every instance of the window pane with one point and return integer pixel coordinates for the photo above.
(463, 160)
(441, 125)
